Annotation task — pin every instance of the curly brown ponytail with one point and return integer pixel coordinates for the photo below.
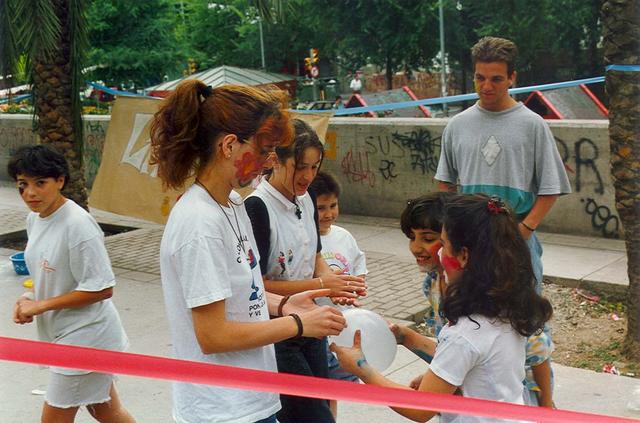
(192, 117)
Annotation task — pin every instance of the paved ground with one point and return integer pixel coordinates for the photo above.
(394, 292)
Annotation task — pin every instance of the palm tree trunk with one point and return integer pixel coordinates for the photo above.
(53, 93)
(621, 33)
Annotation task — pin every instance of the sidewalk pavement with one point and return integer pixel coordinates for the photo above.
(394, 292)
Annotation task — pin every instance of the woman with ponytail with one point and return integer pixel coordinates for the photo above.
(214, 293)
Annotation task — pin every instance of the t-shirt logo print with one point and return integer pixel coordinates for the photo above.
(491, 150)
(46, 267)
(254, 294)
(281, 260)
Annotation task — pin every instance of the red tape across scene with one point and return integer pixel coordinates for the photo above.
(43, 353)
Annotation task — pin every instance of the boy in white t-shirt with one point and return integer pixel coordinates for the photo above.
(339, 250)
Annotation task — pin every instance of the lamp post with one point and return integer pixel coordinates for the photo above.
(264, 67)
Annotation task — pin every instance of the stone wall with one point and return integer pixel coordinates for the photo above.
(383, 162)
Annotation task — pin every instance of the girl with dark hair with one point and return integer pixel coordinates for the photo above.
(490, 303)
(422, 221)
(214, 293)
(72, 286)
(284, 218)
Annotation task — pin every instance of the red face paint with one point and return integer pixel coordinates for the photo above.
(248, 166)
(433, 250)
(450, 264)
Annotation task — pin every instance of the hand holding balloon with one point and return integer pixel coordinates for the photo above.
(378, 343)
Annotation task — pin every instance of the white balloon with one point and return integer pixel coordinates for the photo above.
(378, 342)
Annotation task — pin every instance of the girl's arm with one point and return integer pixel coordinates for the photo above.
(352, 360)
(542, 376)
(340, 285)
(216, 334)
(422, 346)
(75, 299)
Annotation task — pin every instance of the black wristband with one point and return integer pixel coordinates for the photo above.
(299, 323)
(283, 301)
(529, 228)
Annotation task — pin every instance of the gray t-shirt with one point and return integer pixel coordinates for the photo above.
(511, 154)
(66, 253)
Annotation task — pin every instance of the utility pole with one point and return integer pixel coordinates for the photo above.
(443, 76)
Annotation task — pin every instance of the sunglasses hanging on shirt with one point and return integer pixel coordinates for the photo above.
(298, 211)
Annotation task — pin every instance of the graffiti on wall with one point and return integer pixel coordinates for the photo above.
(602, 219)
(355, 166)
(12, 137)
(418, 148)
(583, 165)
(94, 136)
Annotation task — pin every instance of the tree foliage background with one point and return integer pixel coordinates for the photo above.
(145, 41)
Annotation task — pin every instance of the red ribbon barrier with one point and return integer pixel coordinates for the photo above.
(43, 353)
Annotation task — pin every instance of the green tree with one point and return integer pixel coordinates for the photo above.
(621, 39)
(392, 34)
(135, 43)
(557, 39)
(50, 36)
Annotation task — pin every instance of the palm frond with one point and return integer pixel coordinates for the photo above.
(38, 27)
(8, 51)
(79, 42)
(272, 10)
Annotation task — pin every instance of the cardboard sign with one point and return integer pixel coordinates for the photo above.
(126, 184)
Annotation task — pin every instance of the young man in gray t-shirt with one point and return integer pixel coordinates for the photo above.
(499, 147)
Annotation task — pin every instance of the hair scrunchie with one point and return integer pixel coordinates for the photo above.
(205, 91)
(496, 206)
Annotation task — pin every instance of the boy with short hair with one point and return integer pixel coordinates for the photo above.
(339, 250)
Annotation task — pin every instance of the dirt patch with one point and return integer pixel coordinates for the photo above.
(588, 331)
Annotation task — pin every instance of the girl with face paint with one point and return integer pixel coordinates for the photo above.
(421, 222)
(72, 286)
(491, 306)
(215, 297)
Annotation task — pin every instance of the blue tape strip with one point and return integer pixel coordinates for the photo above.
(623, 68)
(453, 98)
(118, 92)
(15, 99)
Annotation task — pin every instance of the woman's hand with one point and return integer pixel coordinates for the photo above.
(303, 301)
(322, 321)
(352, 359)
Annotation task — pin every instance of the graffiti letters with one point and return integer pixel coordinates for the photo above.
(602, 219)
(386, 169)
(586, 155)
(423, 149)
(356, 167)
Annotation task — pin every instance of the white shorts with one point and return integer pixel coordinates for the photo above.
(66, 391)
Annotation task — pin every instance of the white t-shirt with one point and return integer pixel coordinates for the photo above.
(201, 262)
(485, 361)
(293, 241)
(66, 253)
(340, 250)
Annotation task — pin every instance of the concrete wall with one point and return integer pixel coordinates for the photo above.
(16, 131)
(383, 162)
